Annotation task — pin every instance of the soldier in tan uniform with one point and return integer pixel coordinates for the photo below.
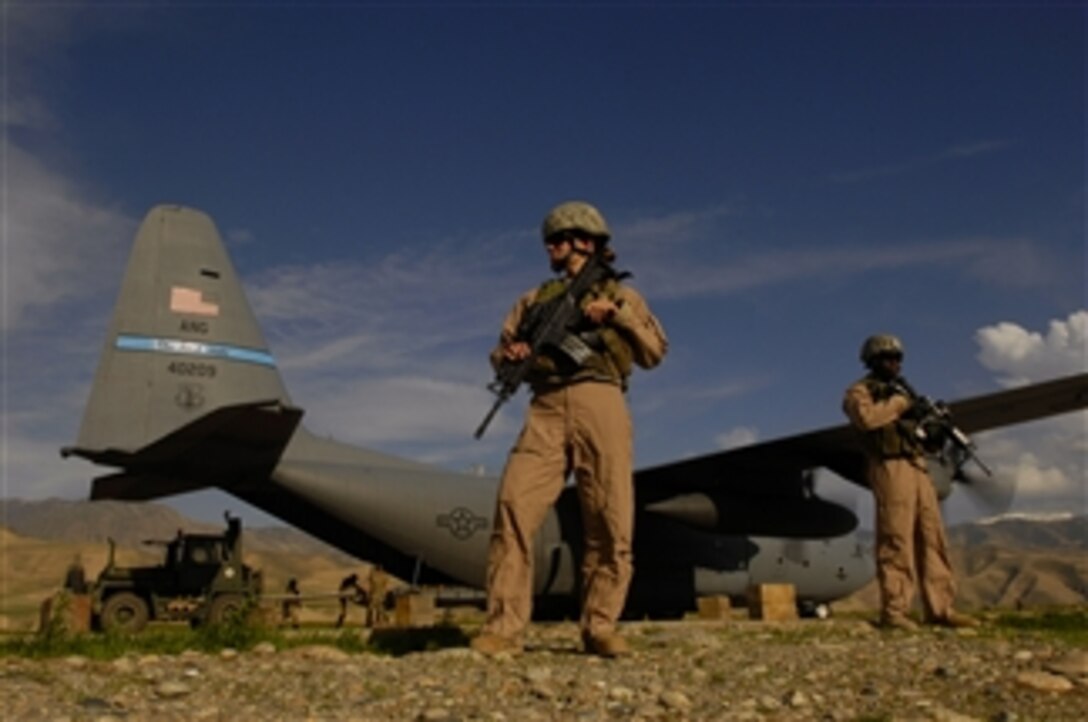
(292, 603)
(349, 591)
(377, 588)
(577, 423)
(909, 530)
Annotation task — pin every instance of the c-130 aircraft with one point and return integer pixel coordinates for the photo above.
(187, 396)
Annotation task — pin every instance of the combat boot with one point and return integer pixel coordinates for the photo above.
(956, 620)
(491, 645)
(609, 644)
(898, 621)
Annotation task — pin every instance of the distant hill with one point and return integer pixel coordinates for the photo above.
(130, 524)
(82, 521)
(1019, 560)
(1023, 531)
(1012, 561)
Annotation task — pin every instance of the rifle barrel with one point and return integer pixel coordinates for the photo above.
(487, 419)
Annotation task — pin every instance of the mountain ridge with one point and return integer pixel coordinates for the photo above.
(1006, 563)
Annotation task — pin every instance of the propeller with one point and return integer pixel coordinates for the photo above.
(832, 488)
(992, 493)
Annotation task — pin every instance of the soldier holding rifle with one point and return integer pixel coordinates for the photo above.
(909, 530)
(575, 351)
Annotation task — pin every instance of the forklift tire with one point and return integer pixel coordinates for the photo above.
(124, 612)
(224, 607)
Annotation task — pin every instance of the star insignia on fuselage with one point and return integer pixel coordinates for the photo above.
(189, 396)
(461, 522)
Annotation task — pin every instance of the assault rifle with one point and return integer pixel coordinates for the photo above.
(935, 427)
(549, 328)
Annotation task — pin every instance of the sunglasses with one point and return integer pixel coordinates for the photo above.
(556, 239)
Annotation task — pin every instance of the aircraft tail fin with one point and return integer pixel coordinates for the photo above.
(184, 369)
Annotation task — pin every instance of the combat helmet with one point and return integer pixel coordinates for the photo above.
(881, 343)
(575, 216)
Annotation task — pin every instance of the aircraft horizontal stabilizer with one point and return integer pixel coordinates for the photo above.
(140, 487)
(229, 445)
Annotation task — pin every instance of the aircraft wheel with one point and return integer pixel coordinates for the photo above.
(814, 610)
(224, 607)
(124, 612)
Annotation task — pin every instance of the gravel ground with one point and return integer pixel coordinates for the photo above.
(832, 670)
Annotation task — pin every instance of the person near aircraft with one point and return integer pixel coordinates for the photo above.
(75, 578)
(349, 590)
(909, 529)
(577, 423)
(292, 603)
(377, 588)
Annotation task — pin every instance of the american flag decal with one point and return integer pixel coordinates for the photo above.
(191, 300)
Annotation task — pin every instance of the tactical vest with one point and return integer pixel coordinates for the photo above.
(610, 355)
(895, 440)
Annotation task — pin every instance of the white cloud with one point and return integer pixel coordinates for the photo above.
(1035, 477)
(29, 112)
(392, 352)
(679, 276)
(1022, 356)
(1014, 263)
(33, 468)
(956, 152)
(663, 232)
(394, 314)
(32, 38)
(1044, 460)
(736, 437)
(396, 408)
(59, 243)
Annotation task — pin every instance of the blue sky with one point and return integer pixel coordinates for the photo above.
(782, 181)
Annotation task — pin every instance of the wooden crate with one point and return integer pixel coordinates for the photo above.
(415, 609)
(713, 607)
(772, 602)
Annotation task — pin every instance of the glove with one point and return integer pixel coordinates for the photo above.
(918, 410)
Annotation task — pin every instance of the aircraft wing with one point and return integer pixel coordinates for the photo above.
(1026, 403)
(758, 468)
(776, 467)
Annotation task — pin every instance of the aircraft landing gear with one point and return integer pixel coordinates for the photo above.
(814, 610)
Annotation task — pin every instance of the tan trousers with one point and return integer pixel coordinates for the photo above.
(583, 429)
(909, 532)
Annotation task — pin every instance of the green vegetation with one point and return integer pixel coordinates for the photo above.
(60, 643)
(241, 632)
(1067, 625)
